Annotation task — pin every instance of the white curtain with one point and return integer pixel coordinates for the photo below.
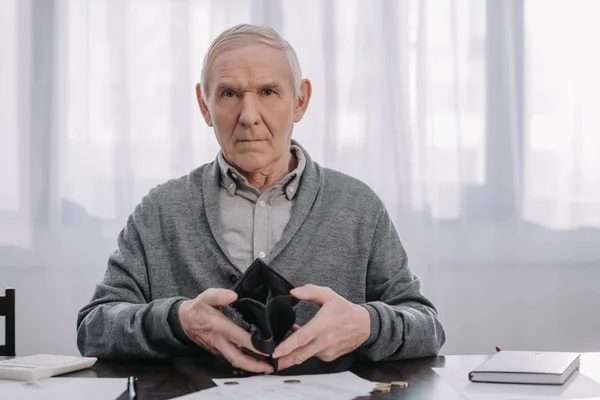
(475, 121)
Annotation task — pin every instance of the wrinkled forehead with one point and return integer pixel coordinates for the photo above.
(249, 65)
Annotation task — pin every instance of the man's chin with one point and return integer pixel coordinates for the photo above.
(251, 165)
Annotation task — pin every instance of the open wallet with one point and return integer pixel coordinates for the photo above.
(264, 301)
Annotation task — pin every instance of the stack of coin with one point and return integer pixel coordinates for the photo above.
(386, 387)
(382, 388)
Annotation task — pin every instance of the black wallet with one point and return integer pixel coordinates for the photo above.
(264, 301)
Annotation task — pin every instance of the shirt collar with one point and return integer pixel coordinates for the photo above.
(229, 175)
(291, 181)
(232, 180)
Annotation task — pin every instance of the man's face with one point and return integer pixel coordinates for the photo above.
(251, 105)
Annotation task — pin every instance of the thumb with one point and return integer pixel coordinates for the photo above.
(316, 294)
(218, 297)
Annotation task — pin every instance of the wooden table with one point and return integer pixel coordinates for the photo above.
(159, 380)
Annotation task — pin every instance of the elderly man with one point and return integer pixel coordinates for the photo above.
(166, 291)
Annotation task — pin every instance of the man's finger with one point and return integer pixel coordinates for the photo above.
(295, 327)
(242, 361)
(300, 338)
(218, 297)
(313, 293)
(299, 355)
(237, 335)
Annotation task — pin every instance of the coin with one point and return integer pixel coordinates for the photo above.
(382, 389)
(291, 381)
(232, 383)
(400, 384)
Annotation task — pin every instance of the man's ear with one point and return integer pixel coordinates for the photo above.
(203, 106)
(302, 102)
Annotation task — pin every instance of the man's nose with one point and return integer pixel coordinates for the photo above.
(249, 115)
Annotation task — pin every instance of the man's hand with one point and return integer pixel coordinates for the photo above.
(337, 329)
(203, 322)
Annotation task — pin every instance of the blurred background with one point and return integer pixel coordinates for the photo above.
(477, 122)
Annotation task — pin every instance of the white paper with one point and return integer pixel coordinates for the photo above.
(276, 391)
(64, 389)
(341, 386)
(344, 380)
(577, 386)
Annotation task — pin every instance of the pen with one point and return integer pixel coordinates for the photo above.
(131, 387)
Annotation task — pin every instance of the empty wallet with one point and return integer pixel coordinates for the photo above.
(264, 301)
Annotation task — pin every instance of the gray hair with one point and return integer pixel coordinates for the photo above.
(247, 34)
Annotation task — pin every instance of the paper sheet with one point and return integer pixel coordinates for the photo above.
(344, 385)
(64, 389)
(577, 386)
(275, 391)
(346, 380)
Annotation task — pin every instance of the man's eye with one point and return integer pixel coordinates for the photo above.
(229, 93)
(268, 92)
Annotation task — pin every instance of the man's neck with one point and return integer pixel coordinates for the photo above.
(273, 174)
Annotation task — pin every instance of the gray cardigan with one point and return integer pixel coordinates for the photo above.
(339, 235)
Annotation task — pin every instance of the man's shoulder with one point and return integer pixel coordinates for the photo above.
(350, 190)
(177, 191)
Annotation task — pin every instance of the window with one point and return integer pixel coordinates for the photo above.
(15, 233)
(9, 109)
